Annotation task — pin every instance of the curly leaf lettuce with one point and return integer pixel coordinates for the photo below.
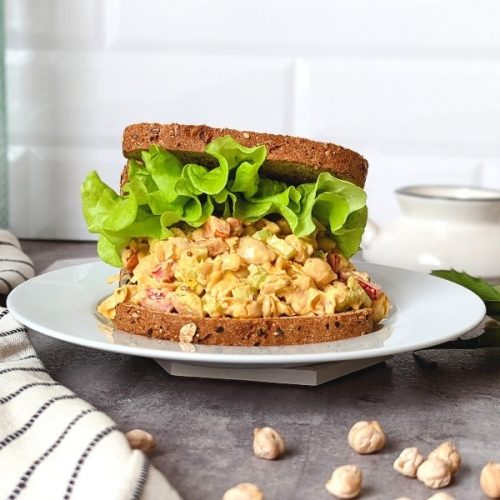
(161, 192)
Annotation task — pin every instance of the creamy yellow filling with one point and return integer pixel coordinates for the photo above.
(238, 270)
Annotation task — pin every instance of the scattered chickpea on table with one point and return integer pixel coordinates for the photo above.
(346, 482)
(448, 453)
(244, 491)
(364, 437)
(434, 473)
(490, 480)
(141, 440)
(408, 462)
(267, 443)
(441, 496)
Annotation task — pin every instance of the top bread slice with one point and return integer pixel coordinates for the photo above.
(291, 159)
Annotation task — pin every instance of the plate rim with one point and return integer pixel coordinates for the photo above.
(239, 359)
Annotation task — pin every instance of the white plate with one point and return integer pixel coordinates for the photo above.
(427, 311)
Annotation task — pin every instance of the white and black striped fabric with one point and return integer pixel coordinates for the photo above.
(54, 445)
(15, 265)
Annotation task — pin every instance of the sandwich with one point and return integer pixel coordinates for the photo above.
(227, 237)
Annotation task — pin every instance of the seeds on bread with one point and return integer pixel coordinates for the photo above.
(291, 159)
(245, 332)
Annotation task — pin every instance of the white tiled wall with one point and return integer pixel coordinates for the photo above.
(414, 86)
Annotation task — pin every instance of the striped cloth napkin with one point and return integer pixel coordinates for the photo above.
(15, 265)
(53, 444)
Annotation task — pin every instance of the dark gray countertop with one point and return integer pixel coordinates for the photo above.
(204, 428)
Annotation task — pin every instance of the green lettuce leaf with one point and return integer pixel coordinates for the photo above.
(161, 192)
(103, 209)
(349, 236)
(166, 170)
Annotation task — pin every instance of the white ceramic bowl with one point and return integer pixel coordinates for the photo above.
(441, 227)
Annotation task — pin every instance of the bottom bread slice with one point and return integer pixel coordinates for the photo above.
(245, 332)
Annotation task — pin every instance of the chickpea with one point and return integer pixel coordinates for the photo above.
(197, 235)
(254, 251)
(140, 440)
(271, 226)
(187, 332)
(490, 480)
(244, 491)
(302, 248)
(366, 437)
(441, 496)
(319, 270)
(345, 482)
(231, 262)
(449, 453)
(434, 473)
(267, 443)
(268, 306)
(380, 308)
(408, 462)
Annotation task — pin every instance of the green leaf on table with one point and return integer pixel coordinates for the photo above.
(477, 285)
(488, 293)
(492, 307)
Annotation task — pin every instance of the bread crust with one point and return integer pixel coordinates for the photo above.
(245, 332)
(291, 159)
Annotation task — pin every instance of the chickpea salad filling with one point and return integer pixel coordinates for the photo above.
(231, 268)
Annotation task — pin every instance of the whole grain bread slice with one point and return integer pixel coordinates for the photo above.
(291, 159)
(245, 332)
